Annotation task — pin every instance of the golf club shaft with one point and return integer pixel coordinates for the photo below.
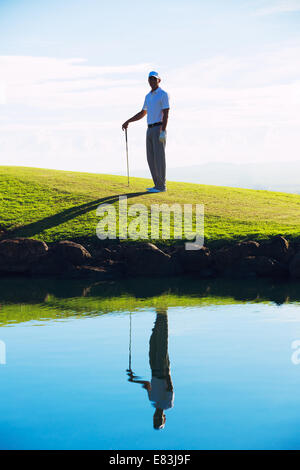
(129, 365)
(127, 155)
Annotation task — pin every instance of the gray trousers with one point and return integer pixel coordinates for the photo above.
(156, 157)
(158, 353)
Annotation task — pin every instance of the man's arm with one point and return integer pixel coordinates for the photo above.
(165, 119)
(137, 117)
(169, 383)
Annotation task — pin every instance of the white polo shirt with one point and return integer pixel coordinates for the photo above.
(154, 103)
(159, 395)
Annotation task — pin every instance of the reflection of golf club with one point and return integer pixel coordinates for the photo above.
(127, 155)
(129, 371)
(129, 360)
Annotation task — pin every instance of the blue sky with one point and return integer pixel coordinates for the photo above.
(73, 71)
(168, 32)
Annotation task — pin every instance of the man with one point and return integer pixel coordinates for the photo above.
(160, 389)
(156, 106)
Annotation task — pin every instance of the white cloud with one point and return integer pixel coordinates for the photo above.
(58, 83)
(2, 92)
(285, 6)
(66, 114)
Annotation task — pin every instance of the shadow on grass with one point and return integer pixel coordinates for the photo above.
(64, 216)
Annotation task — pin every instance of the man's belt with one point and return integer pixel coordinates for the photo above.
(155, 124)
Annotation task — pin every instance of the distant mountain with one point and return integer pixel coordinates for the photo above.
(277, 176)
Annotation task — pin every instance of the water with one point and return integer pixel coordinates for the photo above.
(232, 374)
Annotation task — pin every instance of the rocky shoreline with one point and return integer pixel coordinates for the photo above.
(275, 258)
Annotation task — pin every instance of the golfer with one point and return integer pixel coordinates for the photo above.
(160, 389)
(156, 106)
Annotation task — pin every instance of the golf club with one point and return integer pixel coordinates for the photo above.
(131, 375)
(129, 365)
(127, 155)
(129, 371)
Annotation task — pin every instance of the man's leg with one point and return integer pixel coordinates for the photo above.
(150, 154)
(159, 159)
(158, 351)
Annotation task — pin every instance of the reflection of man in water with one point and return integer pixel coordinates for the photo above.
(160, 389)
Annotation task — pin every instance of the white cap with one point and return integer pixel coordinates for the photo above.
(153, 74)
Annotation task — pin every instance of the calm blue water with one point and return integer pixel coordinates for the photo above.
(65, 385)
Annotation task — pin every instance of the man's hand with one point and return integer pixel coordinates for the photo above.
(162, 136)
(137, 117)
(125, 125)
(147, 385)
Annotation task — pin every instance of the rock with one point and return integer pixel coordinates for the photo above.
(246, 248)
(90, 272)
(277, 248)
(198, 261)
(145, 259)
(223, 259)
(19, 254)
(72, 252)
(227, 256)
(50, 263)
(245, 260)
(104, 255)
(261, 266)
(294, 267)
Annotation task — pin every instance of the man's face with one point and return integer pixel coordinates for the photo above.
(153, 82)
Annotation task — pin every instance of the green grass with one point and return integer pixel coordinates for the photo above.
(54, 205)
(80, 307)
(23, 301)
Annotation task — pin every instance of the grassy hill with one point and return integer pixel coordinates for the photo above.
(53, 205)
